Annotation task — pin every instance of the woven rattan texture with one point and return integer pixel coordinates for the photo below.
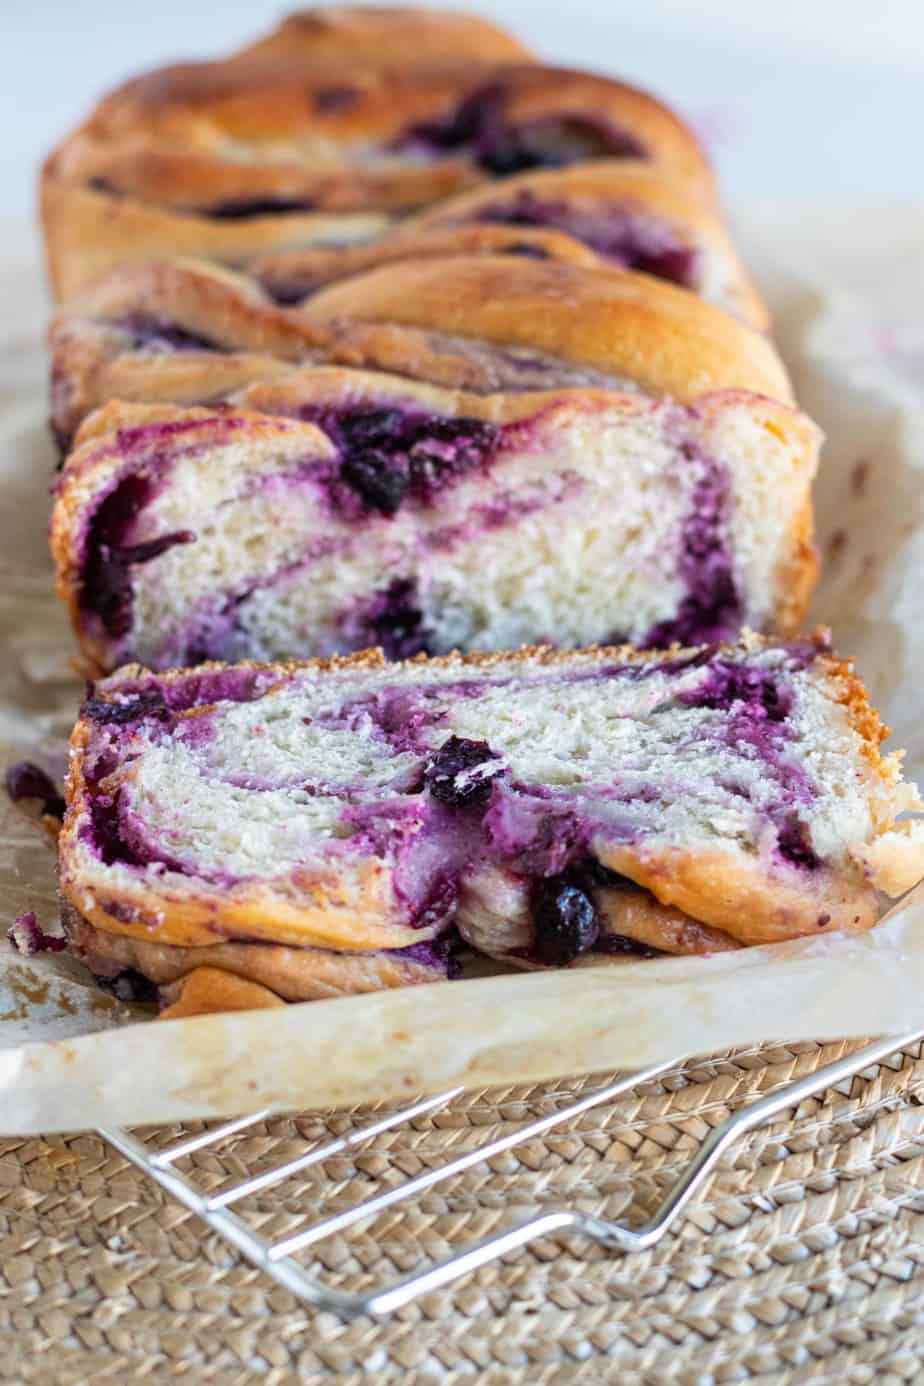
(802, 1262)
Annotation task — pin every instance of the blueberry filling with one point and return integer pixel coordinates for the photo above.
(758, 702)
(27, 936)
(480, 127)
(229, 209)
(613, 231)
(135, 709)
(711, 611)
(392, 620)
(105, 833)
(237, 208)
(459, 811)
(527, 250)
(157, 334)
(564, 919)
(286, 293)
(337, 98)
(107, 587)
(462, 772)
(129, 986)
(794, 840)
(392, 454)
(728, 683)
(440, 953)
(619, 945)
(27, 781)
(380, 486)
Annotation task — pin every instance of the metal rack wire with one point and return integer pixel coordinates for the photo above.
(277, 1258)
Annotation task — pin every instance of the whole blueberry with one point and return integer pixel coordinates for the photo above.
(462, 772)
(564, 919)
(27, 781)
(380, 486)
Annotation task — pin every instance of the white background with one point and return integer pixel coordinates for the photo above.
(819, 102)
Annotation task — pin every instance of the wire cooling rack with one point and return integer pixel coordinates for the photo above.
(277, 1258)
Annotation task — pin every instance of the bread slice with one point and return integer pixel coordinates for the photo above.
(230, 159)
(637, 472)
(625, 213)
(345, 509)
(554, 807)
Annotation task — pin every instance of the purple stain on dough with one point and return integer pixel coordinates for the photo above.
(333, 99)
(794, 841)
(106, 590)
(158, 334)
(441, 954)
(533, 833)
(147, 437)
(626, 237)
(125, 711)
(728, 684)
(391, 619)
(711, 611)
(239, 208)
(479, 127)
(527, 250)
(757, 704)
(28, 937)
(152, 698)
(390, 454)
(618, 945)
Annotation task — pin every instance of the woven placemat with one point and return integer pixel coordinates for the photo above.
(802, 1261)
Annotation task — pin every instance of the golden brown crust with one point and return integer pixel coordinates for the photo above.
(798, 572)
(135, 178)
(686, 206)
(383, 34)
(253, 339)
(414, 319)
(409, 319)
(210, 991)
(633, 182)
(686, 210)
(314, 269)
(292, 974)
(637, 915)
(143, 131)
(89, 233)
(737, 894)
(664, 338)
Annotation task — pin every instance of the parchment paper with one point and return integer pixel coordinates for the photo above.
(848, 301)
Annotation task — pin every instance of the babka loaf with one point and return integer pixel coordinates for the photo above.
(230, 160)
(626, 212)
(638, 473)
(315, 828)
